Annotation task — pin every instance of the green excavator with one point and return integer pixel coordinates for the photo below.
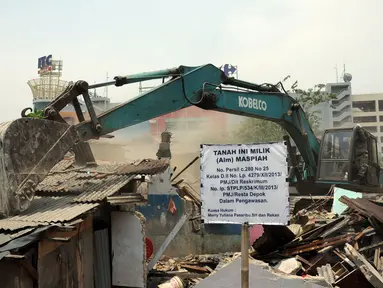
(30, 146)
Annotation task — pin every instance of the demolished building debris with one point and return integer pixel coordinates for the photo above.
(318, 249)
(339, 248)
(77, 212)
(190, 269)
(223, 270)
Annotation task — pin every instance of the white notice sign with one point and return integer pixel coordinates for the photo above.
(245, 183)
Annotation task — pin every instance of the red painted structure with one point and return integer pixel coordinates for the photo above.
(187, 120)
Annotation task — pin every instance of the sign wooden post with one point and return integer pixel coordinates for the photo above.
(245, 255)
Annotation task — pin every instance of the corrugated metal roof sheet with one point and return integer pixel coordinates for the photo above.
(7, 237)
(10, 225)
(94, 184)
(89, 183)
(47, 211)
(146, 166)
(63, 164)
(102, 188)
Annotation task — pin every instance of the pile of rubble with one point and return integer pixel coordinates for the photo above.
(337, 250)
(186, 271)
(345, 250)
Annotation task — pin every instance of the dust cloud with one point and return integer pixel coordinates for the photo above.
(185, 146)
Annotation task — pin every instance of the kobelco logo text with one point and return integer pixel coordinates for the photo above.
(248, 102)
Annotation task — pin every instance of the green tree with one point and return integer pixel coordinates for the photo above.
(381, 159)
(253, 130)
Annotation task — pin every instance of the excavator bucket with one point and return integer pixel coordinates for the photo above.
(29, 148)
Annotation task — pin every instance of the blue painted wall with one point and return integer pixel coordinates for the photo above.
(210, 239)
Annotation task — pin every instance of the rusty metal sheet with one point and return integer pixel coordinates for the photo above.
(103, 188)
(87, 186)
(63, 164)
(319, 244)
(70, 182)
(92, 184)
(146, 166)
(47, 211)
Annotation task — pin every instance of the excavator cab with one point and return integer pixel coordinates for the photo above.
(349, 156)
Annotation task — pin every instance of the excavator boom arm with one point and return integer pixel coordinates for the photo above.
(204, 86)
(31, 147)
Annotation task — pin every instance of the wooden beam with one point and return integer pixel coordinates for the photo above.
(30, 269)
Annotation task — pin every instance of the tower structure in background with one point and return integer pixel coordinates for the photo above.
(340, 112)
(49, 84)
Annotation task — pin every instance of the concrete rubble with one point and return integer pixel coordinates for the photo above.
(260, 275)
(224, 270)
(190, 269)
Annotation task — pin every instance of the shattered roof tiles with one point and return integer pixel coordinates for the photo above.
(47, 211)
(92, 184)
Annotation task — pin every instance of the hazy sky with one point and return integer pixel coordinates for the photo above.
(267, 39)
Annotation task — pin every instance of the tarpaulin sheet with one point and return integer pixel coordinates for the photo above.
(22, 241)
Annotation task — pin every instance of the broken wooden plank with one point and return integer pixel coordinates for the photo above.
(373, 246)
(164, 245)
(371, 274)
(353, 279)
(15, 257)
(340, 270)
(194, 268)
(344, 258)
(303, 260)
(319, 244)
(377, 258)
(181, 274)
(59, 239)
(30, 269)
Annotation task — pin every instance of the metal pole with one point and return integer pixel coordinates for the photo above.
(134, 78)
(245, 256)
(187, 166)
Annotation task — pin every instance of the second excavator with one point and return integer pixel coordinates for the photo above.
(31, 146)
